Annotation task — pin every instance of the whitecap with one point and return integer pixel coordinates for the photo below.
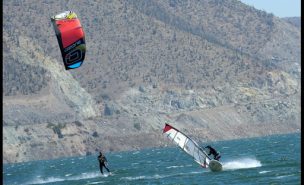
(85, 176)
(66, 178)
(133, 178)
(156, 176)
(283, 176)
(47, 180)
(97, 182)
(118, 156)
(241, 164)
(175, 166)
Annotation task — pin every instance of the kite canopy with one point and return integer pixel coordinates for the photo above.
(71, 39)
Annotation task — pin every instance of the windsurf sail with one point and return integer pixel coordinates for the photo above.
(187, 144)
(71, 39)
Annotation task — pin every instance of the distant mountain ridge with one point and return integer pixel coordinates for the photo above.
(296, 21)
(218, 69)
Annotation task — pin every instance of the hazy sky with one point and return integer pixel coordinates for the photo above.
(279, 8)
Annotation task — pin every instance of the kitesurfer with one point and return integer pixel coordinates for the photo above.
(213, 152)
(103, 162)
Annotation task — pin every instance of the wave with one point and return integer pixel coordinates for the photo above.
(119, 156)
(156, 176)
(44, 181)
(145, 177)
(97, 182)
(283, 176)
(242, 164)
(40, 180)
(175, 166)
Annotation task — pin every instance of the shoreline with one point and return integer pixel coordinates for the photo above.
(165, 144)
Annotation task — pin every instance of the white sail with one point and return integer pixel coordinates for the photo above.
(188, 145)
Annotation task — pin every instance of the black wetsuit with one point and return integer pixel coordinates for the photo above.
(213, 152)
(102, 160)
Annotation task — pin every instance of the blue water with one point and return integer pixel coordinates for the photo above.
(265, 160)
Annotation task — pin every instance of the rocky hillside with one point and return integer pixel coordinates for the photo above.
(296, 21)
(216, 69)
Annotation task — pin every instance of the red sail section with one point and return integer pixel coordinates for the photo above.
(70, 30)
(167, 128)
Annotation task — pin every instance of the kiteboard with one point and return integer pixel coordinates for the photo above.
(106, 174)
(215, 166)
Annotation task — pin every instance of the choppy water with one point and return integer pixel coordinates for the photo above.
(265, 160)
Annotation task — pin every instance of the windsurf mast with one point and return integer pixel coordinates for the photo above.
(187, 144)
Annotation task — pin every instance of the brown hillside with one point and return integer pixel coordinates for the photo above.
(192, 63)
